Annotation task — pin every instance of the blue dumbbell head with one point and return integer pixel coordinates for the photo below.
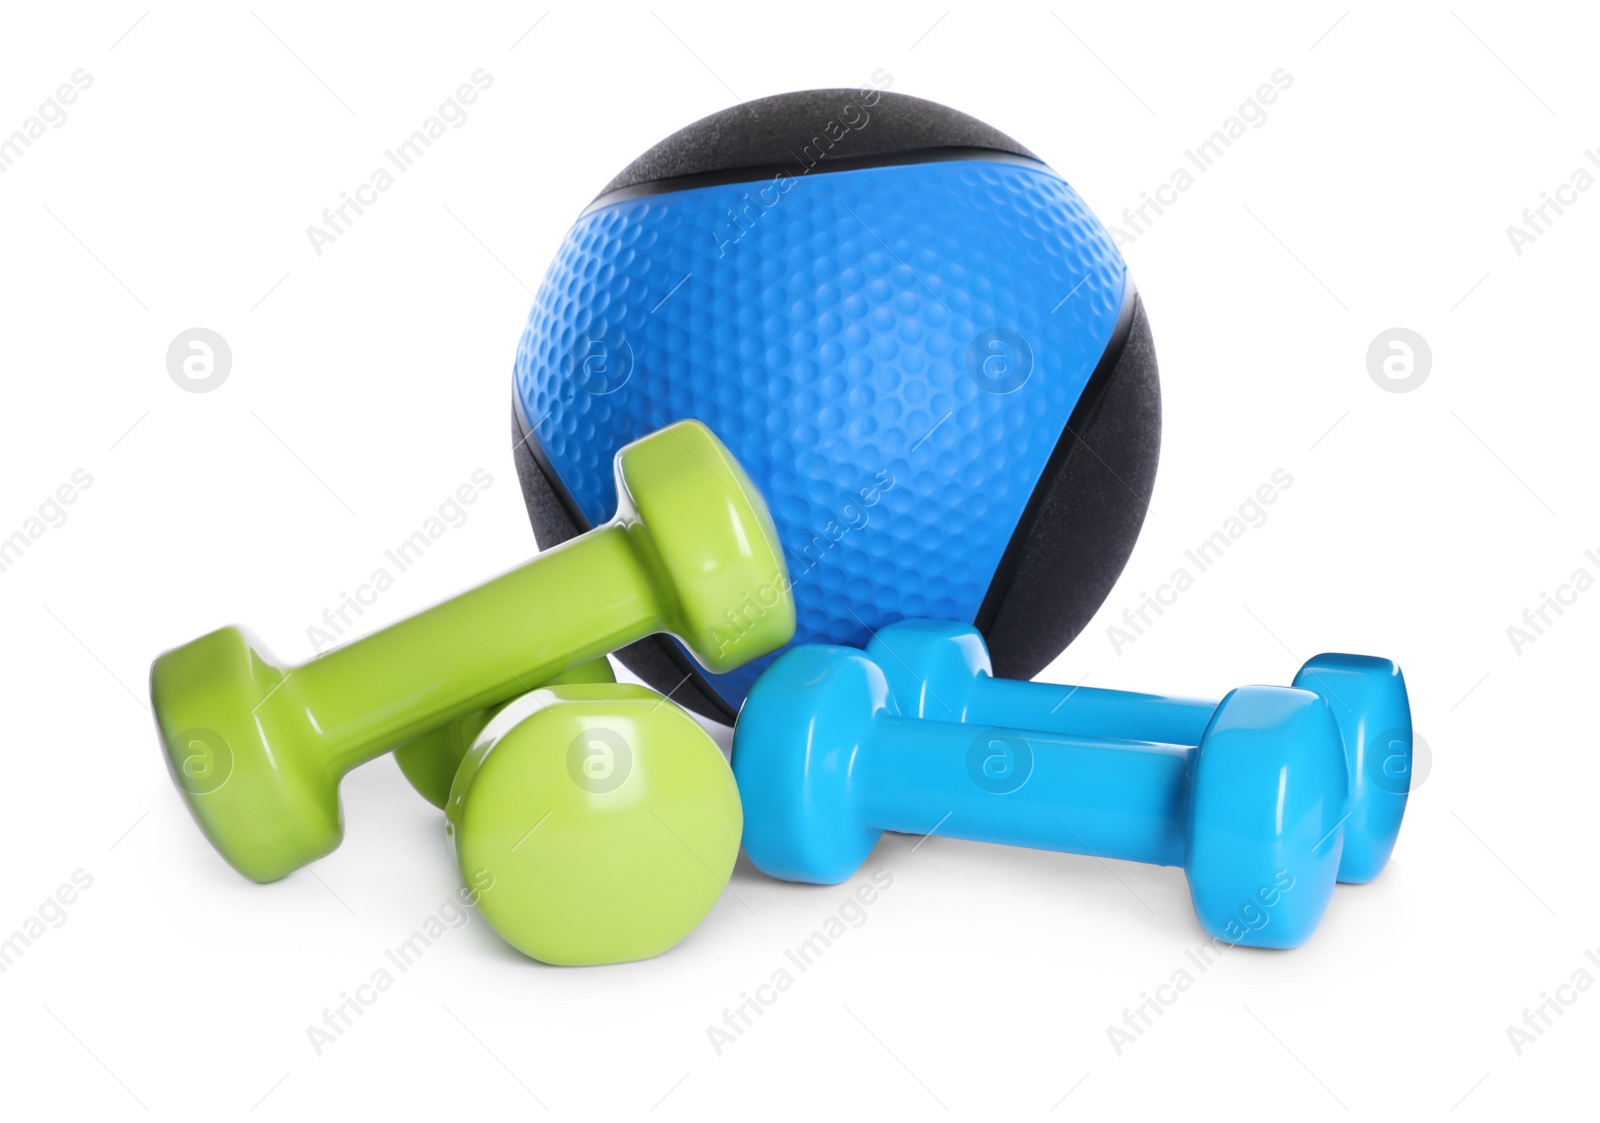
(826, 762)
(1368, 699)
(1267, 796)
(935, 668)
(796, 739)
(940, 670)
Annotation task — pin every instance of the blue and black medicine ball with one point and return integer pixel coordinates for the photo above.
(921, 344)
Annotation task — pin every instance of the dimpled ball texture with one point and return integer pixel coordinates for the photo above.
(834, 340)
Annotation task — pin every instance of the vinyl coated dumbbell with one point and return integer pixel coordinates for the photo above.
(941, 670)
(826, 763)
(601, 828)
(691, 550)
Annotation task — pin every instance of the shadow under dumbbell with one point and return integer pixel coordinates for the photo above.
(1084, 891)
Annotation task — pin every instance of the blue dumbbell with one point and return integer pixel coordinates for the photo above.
(826, 762)
(941, 670)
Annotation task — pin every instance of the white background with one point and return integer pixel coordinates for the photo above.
(369, 382)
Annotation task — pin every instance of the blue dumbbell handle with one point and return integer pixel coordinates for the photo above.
(1080, 795)
(1086, 710)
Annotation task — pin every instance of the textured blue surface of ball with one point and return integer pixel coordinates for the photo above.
(892, 352)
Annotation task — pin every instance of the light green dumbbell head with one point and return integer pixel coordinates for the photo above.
(599, 829)
(705, 531)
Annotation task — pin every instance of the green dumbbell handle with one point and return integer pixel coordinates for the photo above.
(574, 603)
(258, 750)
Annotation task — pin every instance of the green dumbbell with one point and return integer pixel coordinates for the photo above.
(259, 749)
(430, 761)
(601, 828)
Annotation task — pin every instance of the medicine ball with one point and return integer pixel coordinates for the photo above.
(921, 344)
